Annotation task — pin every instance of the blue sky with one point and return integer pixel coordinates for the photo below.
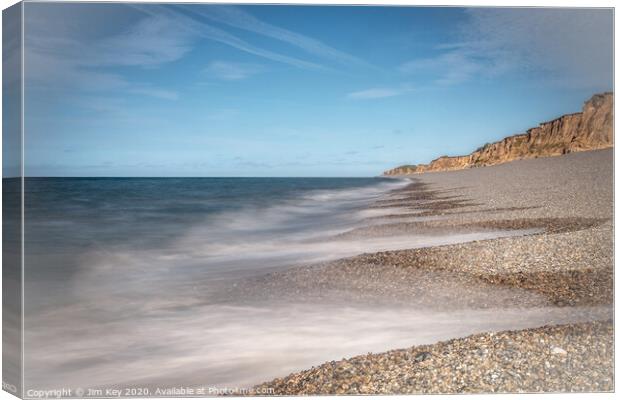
(205, 90)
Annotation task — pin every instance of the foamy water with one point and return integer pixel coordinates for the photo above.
(239, 346)
(122, 275)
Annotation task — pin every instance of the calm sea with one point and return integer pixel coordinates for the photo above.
(131, 282)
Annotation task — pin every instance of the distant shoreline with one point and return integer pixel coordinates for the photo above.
(590, 129)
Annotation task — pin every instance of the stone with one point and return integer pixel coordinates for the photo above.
(558, 350)
(422, 356)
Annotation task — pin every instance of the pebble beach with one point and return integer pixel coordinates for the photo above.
(566, 358)
(562, 208)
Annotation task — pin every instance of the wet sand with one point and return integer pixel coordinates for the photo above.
(563, 209)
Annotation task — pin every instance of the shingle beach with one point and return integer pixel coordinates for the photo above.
(564, 206)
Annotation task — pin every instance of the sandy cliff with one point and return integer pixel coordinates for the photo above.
(590, 129)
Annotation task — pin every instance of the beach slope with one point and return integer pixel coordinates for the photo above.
(566, 257)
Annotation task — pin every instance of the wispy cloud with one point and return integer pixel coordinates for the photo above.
(450, 68)
(238, 18)
(152, 41)
(155, 92)
(374, 93)
(193, 20)
(567, 46)
(59, 57)
(380, 92)
(232, 71)
(571, 46)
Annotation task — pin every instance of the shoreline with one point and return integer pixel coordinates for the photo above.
(556, 358)
(568, 261)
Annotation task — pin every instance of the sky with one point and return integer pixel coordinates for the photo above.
(223, 90)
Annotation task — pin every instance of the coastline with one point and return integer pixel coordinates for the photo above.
(589, 129)
(563, 358)
(566, 258)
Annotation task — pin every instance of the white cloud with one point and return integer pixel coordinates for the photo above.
(60, 55)
(192, 20)
(374, 93)
(379, 92)
(238, 18)
(232, 71)
(152, 41)
(449, 68)
(63, 58)
(156, 92)
(563, 46)
(571, 46)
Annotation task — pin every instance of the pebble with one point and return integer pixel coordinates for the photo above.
(558, 350)
(569, 261)
(460, 370)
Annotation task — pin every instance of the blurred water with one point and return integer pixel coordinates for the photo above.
(123, 275)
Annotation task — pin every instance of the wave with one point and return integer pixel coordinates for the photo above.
(152, 316)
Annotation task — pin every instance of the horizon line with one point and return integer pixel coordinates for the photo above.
(195, 177)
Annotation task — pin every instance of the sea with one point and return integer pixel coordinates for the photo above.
(122, 282)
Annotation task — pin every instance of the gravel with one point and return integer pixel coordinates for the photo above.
(566, 260)
(566, 358)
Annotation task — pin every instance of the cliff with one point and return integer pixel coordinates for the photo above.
(590, 129)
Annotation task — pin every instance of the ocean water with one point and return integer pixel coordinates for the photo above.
(224, 224)
(124, 278)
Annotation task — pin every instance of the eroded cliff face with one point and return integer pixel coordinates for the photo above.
(590, 129)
